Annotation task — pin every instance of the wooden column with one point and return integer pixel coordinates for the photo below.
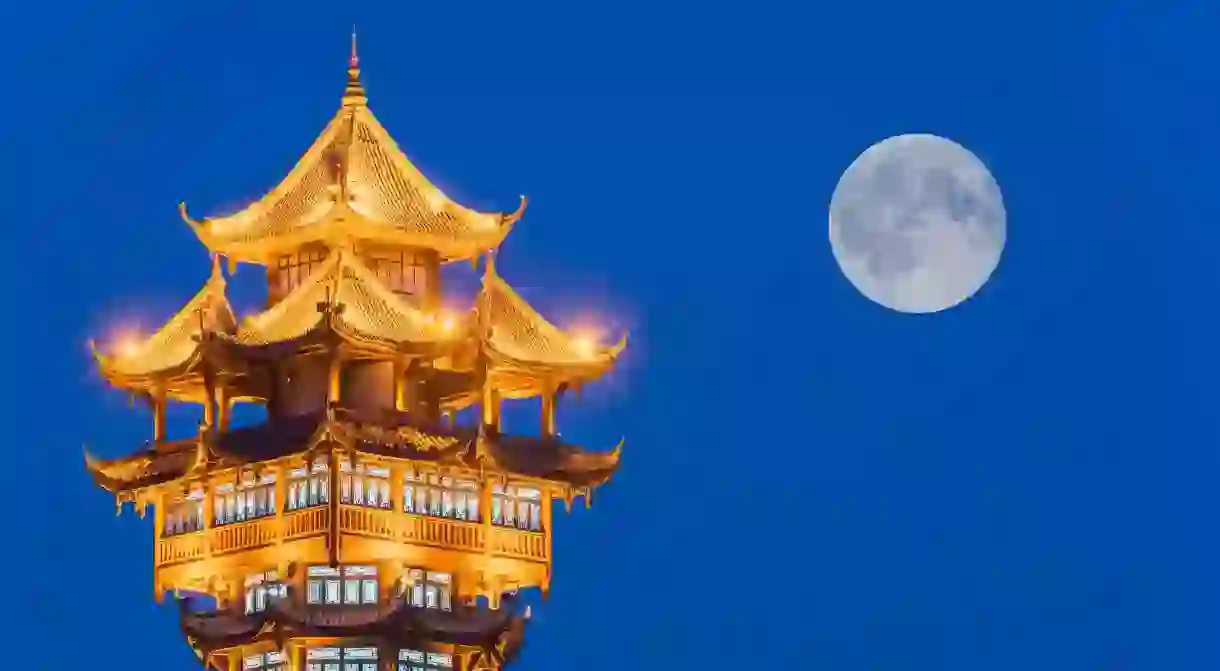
(400, 386)
(157, 401)
(333, 545)
(549, 426)
(159, 514)
(224, 405)
(334, 376)
(209, 405)
(548, 503)
(491, 407)
(423, 400)
(281, 529)
(485, 510)
(396, 489)
(208, 508)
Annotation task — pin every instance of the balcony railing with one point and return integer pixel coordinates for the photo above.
(357, 520)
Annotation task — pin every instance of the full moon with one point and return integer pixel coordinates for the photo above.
(917, 223)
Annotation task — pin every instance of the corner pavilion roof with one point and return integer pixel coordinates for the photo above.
(522, 346)
(353, 182)
(174, 350)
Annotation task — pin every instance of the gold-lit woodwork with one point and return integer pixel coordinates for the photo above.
(354, 526)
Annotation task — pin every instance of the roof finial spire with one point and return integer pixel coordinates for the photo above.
(353, 95)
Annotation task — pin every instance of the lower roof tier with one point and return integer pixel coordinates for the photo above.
(390, 437)
(493, 637)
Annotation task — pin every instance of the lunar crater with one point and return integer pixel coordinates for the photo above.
(917, 223)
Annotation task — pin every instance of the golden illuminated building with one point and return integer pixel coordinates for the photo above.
(367, 524)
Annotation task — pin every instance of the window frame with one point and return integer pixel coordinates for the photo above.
(410, 659)
(508, 502)
(345, 586)
(261, 589)
(244, 501)
(357, 485)
(342, 659)
(185, 515)
(308, 486)
(274, 660)
(434, 495)
(422, 588)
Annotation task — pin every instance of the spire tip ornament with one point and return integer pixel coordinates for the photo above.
(353, 95)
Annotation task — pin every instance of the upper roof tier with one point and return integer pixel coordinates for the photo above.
(353, 183)
(345, 295)
(171, 354)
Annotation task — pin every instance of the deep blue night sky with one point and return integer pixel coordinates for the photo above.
(809, 481)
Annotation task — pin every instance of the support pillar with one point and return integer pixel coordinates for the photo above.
(334, 387)
(333, 543)
(281, 528)
(491, 407)
(549, 424)
(158, 408)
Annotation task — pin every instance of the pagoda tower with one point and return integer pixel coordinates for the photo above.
(363, 526)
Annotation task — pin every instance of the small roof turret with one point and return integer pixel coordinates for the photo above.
(345, 296)
(169, 358)
(526, 353)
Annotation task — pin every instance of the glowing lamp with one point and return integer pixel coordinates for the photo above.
(585, 345)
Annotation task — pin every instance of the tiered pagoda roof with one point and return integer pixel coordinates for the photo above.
(353, 183)
(355, 186)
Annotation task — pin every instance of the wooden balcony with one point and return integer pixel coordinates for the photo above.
(438, 532)
(181, 548)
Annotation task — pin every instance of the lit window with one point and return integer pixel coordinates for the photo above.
(399, 271)
(307, 488)
(417, 660)
(428, 589)
(519, 507)
(364, 486)
(348, 585)
(437, 496)
(294, 269)
(248, 500)
(185, 515)
(261, 589)
(268, 661)
(341, 659)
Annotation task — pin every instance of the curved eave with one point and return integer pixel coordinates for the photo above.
(143, 469)
(346, 223)
(567, 464)
(175, 381)
(327, 334)
(518, 377)
(397, 438)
